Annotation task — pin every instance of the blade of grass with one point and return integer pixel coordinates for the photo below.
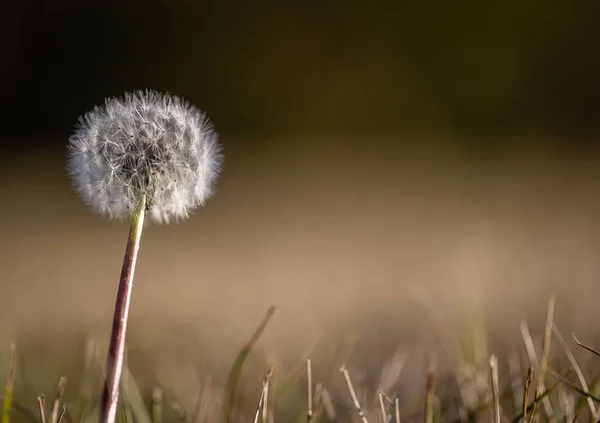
(430, 390)
(124, 411)
(567, 403)
(86, 385)
(516, 381)
(576, 367)
(88, 381)
(495, 388)
(8, 389)
(392, 370)
(236, 370)
(473, 380)
(289, 381)
(485, 406)
(328, 405)
(437, 410)
(25, 411)
(582, 403)
(215, 410)
(530, 348)
(197, 405)
(574, 387)
(318, 402)
(157, 404)
(465, 380)
(181, 414)
(206, 399)
(134, 398)
(546, 343)
(129, 390)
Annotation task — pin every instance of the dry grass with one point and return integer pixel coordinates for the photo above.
(557, 396)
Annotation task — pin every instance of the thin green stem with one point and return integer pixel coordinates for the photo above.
(236, 370)
(8, 390)
(116, 350)
(157, 400)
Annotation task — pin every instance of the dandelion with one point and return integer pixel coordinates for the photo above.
(145, 144)
(144, 154)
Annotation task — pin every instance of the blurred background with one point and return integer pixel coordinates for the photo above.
(383, 161)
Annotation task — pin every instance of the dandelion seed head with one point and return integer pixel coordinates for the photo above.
(145, 143)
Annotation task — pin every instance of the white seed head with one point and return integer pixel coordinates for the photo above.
(145, 143)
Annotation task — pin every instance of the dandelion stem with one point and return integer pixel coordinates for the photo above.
(116, 350)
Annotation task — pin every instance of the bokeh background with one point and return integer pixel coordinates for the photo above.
(383, 161)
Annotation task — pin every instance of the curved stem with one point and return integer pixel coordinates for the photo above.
(116, 350)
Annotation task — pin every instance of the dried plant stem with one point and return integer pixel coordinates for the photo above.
(384, 418)
(495, 388)
(526, 392)
(116, 349)
(309, 396)
(535, 398)
(263, 396)
(259, 406)
(266, 389)
(42, 408)
(60, 390)
(585, 347)
(386, 396)
(8, 389)
(62, 413)
(359, 409)
(397, 409)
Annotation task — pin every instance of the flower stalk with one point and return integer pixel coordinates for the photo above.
(116, 349)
